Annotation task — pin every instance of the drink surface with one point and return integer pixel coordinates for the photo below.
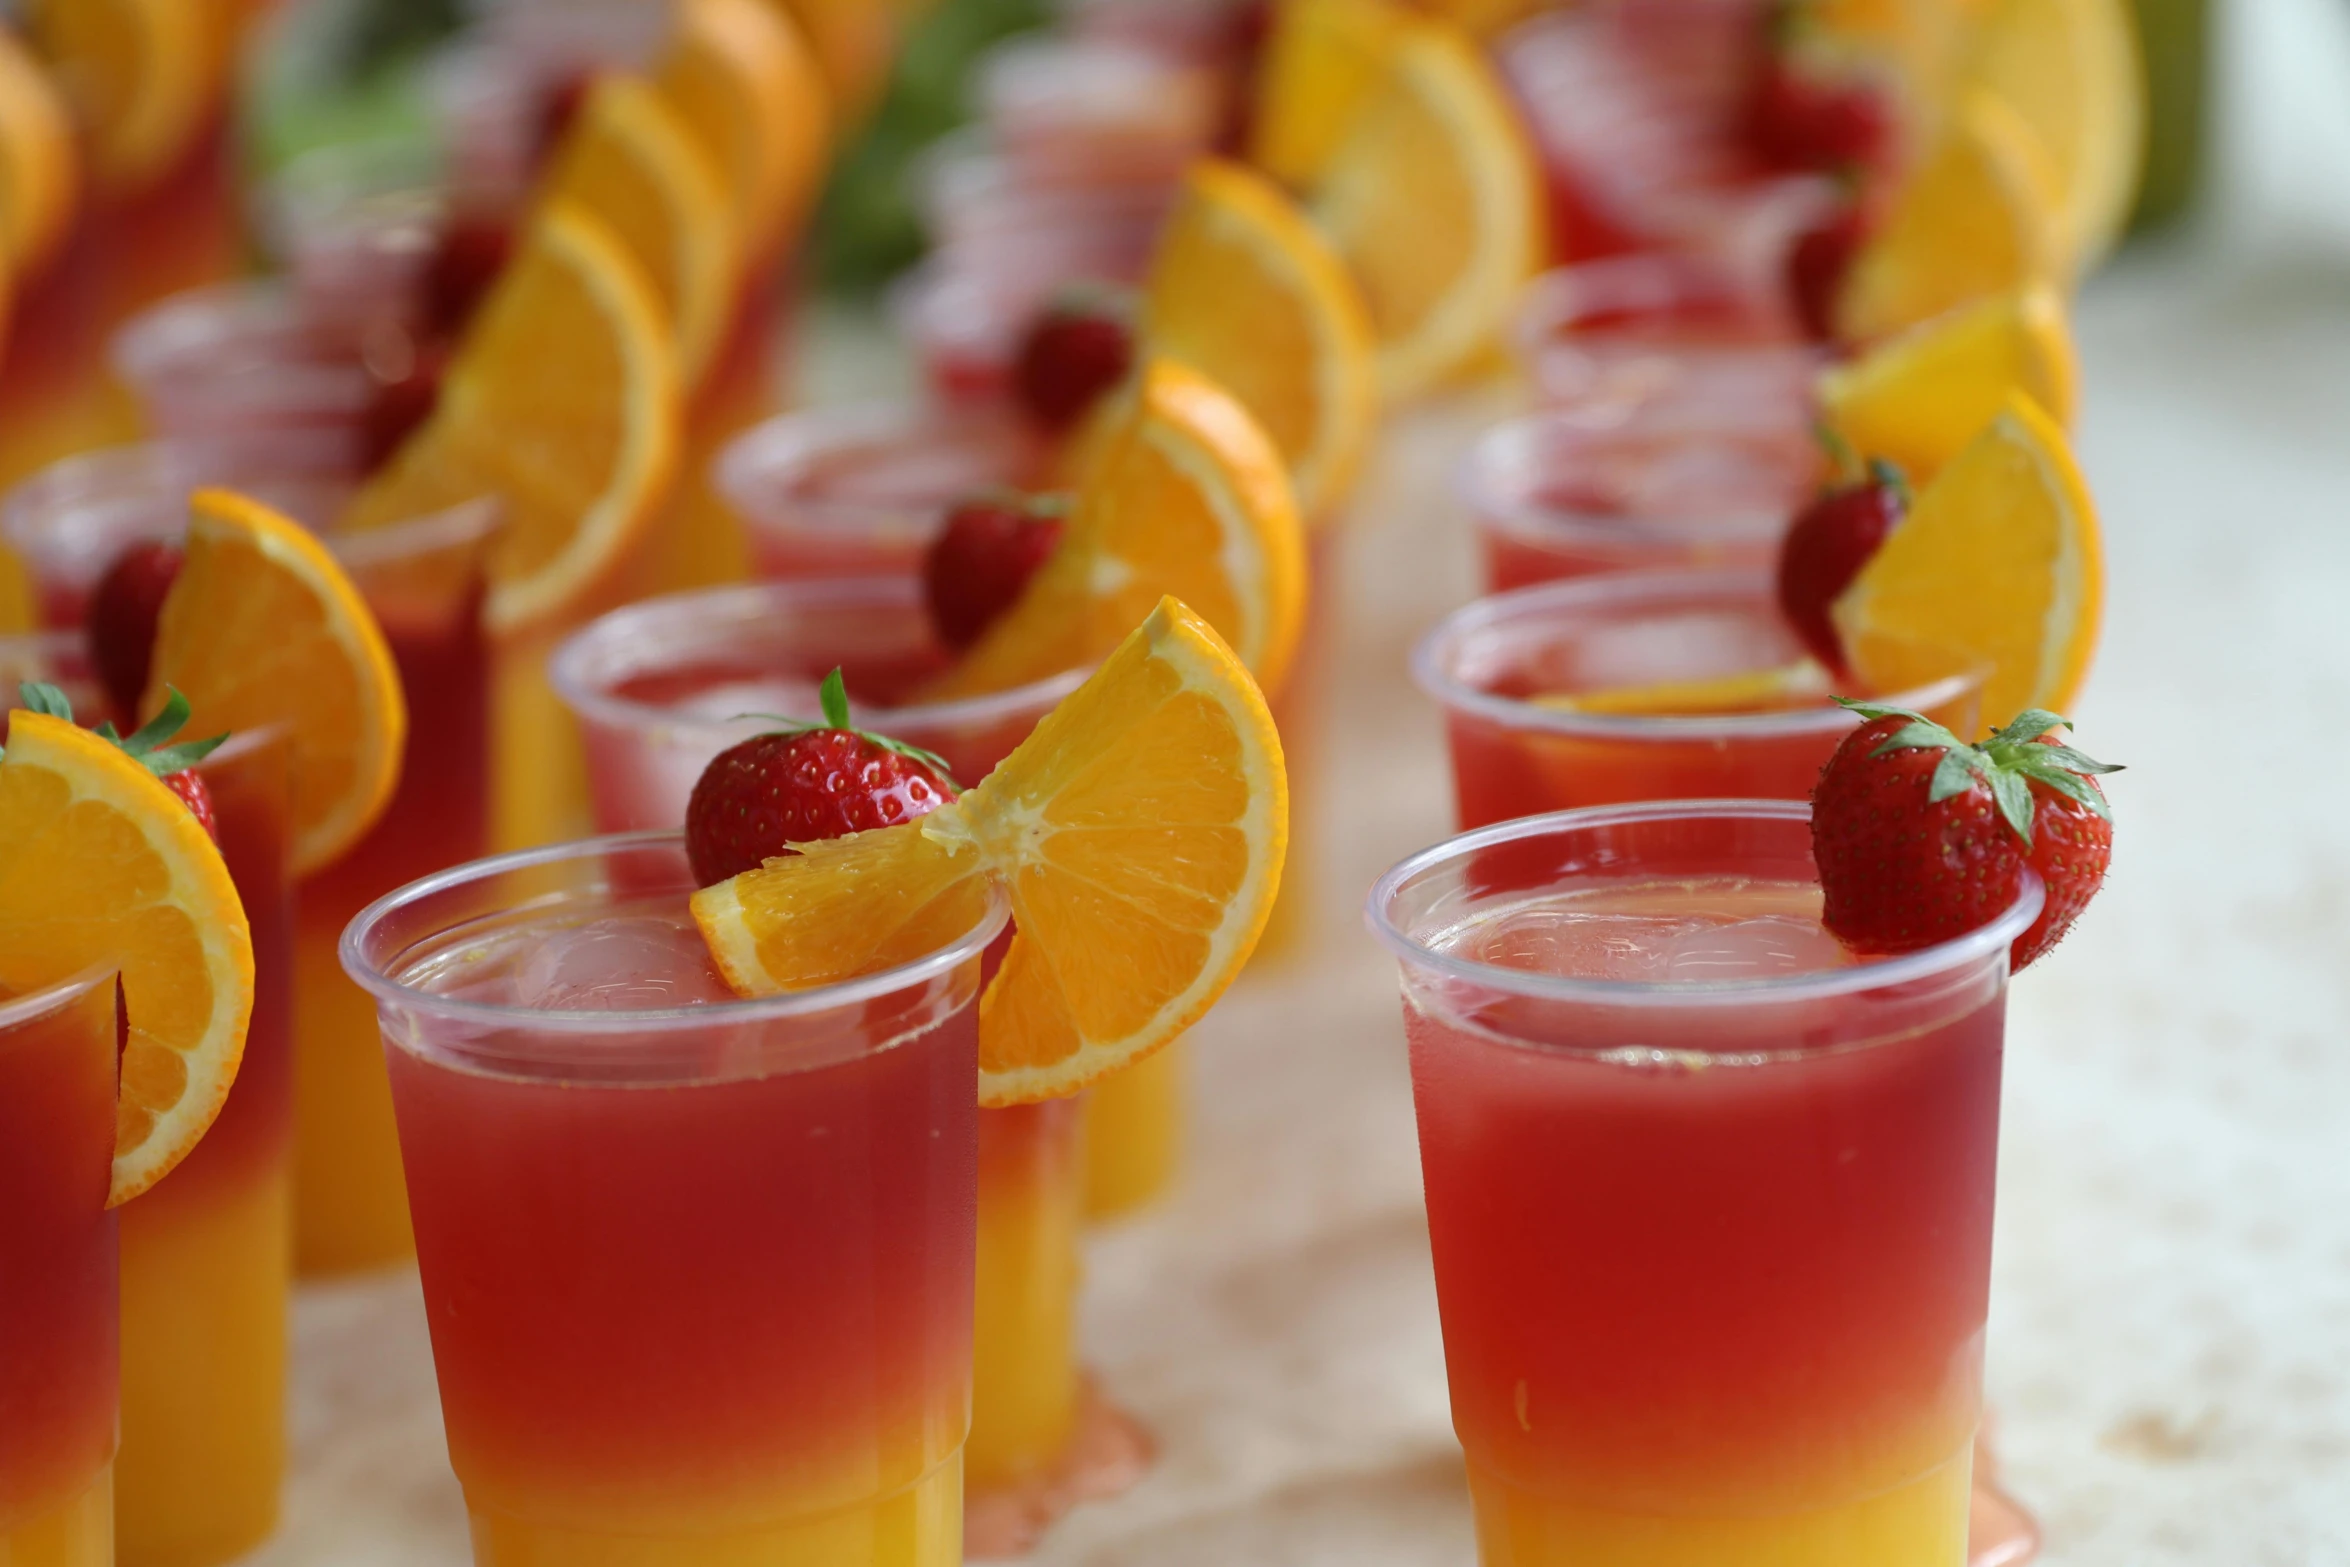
(1713, 1286)
(710, 1294)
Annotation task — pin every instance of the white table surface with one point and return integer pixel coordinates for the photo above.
(2170, 1344)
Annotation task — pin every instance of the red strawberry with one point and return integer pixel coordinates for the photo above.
(1816, 267)
(559, 111)
(982, 559)
(1920, 837)
(124, 608)
(152, 746)
(471, 254)
(1827, 544)
(1073, 353)
(406, 387)
(800, 785)
(1799, 121)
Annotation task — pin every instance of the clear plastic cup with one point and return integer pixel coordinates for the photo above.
(980, 204)
(1073, 107)
(968, 307)
(1710, 1203)
(1216, 34)
(355, 227)
(661, 687)
(1635, 108)
(1667, 338)
(697, 1269)
(861, 492)
(1564, 494)
(58, 1295)
(244, 360)
(424, 582)
(1513, 755)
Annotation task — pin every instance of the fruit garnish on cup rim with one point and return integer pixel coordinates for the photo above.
(1920, 837)
(103, 866)
(802, 783)
(1832, 538)
(154, 745)
(1139, 832)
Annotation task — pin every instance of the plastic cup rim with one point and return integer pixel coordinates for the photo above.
(1482, 492)
(585, 696)
(52, 998)
(1976, 945)
(1430, 673)
(651, 1021)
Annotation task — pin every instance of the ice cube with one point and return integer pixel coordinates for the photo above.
(1539, 938)
(1770, 947)
(774, 697)
(624, 963)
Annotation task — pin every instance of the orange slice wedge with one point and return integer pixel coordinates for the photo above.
(1918, 397)
(2070, 70)
(563, 402)
(1998, 565)
(1244, 290)
(741, 82)
(630, 161)
(1184, 497)
(139, 74)
(1980, 216)
(1139, 831)
(101, 866)
(262, 627)
(1803, 683)
(37, 161)
(1322, 60)
(854, 41)
(1433, 197)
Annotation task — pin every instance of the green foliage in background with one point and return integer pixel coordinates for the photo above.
(341, 71)
(866, 229)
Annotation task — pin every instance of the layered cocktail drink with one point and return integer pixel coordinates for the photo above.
(1639, 686)
(58, 1354)
(660, 688)
(207, 1252)
(1710, 1199)
(698, 1269)
(423, 582)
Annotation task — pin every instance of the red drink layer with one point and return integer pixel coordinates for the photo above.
(1509, 669)
(1712, 1236)
(698, 1270)
(58, 1354)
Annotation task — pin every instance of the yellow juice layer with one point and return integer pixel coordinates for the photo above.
(921, 1526)
(1024, 1381)
(78, 1534)
(1134, 1133)
(205, 1282)
(350, 1202)
(1920, 1524)
(538, 773)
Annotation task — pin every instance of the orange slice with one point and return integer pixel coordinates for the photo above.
(1244, 290)
(1980, 216)
(37, 161)
(262, 627)
(101, 866)
(139, 76)
(1918, 397)
(1434, 199)
(1800, 684)
(1139, 831)
(2070, 70)
(1322, 60)
(630, 161)
(1998, 565)
(564, 403)
(1185, 497)
(742, 83)
(854, 41)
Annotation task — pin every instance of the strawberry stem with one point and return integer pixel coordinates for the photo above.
(2007, 764)
(147, 745)
(832, 697)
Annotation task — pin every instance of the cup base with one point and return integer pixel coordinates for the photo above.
(1108, 1454)
(920, 1526)
(1920, 1524)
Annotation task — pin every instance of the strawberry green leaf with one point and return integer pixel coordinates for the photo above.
(833, 696)
(39, 696)
(2014, 795)
(1954, 774)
